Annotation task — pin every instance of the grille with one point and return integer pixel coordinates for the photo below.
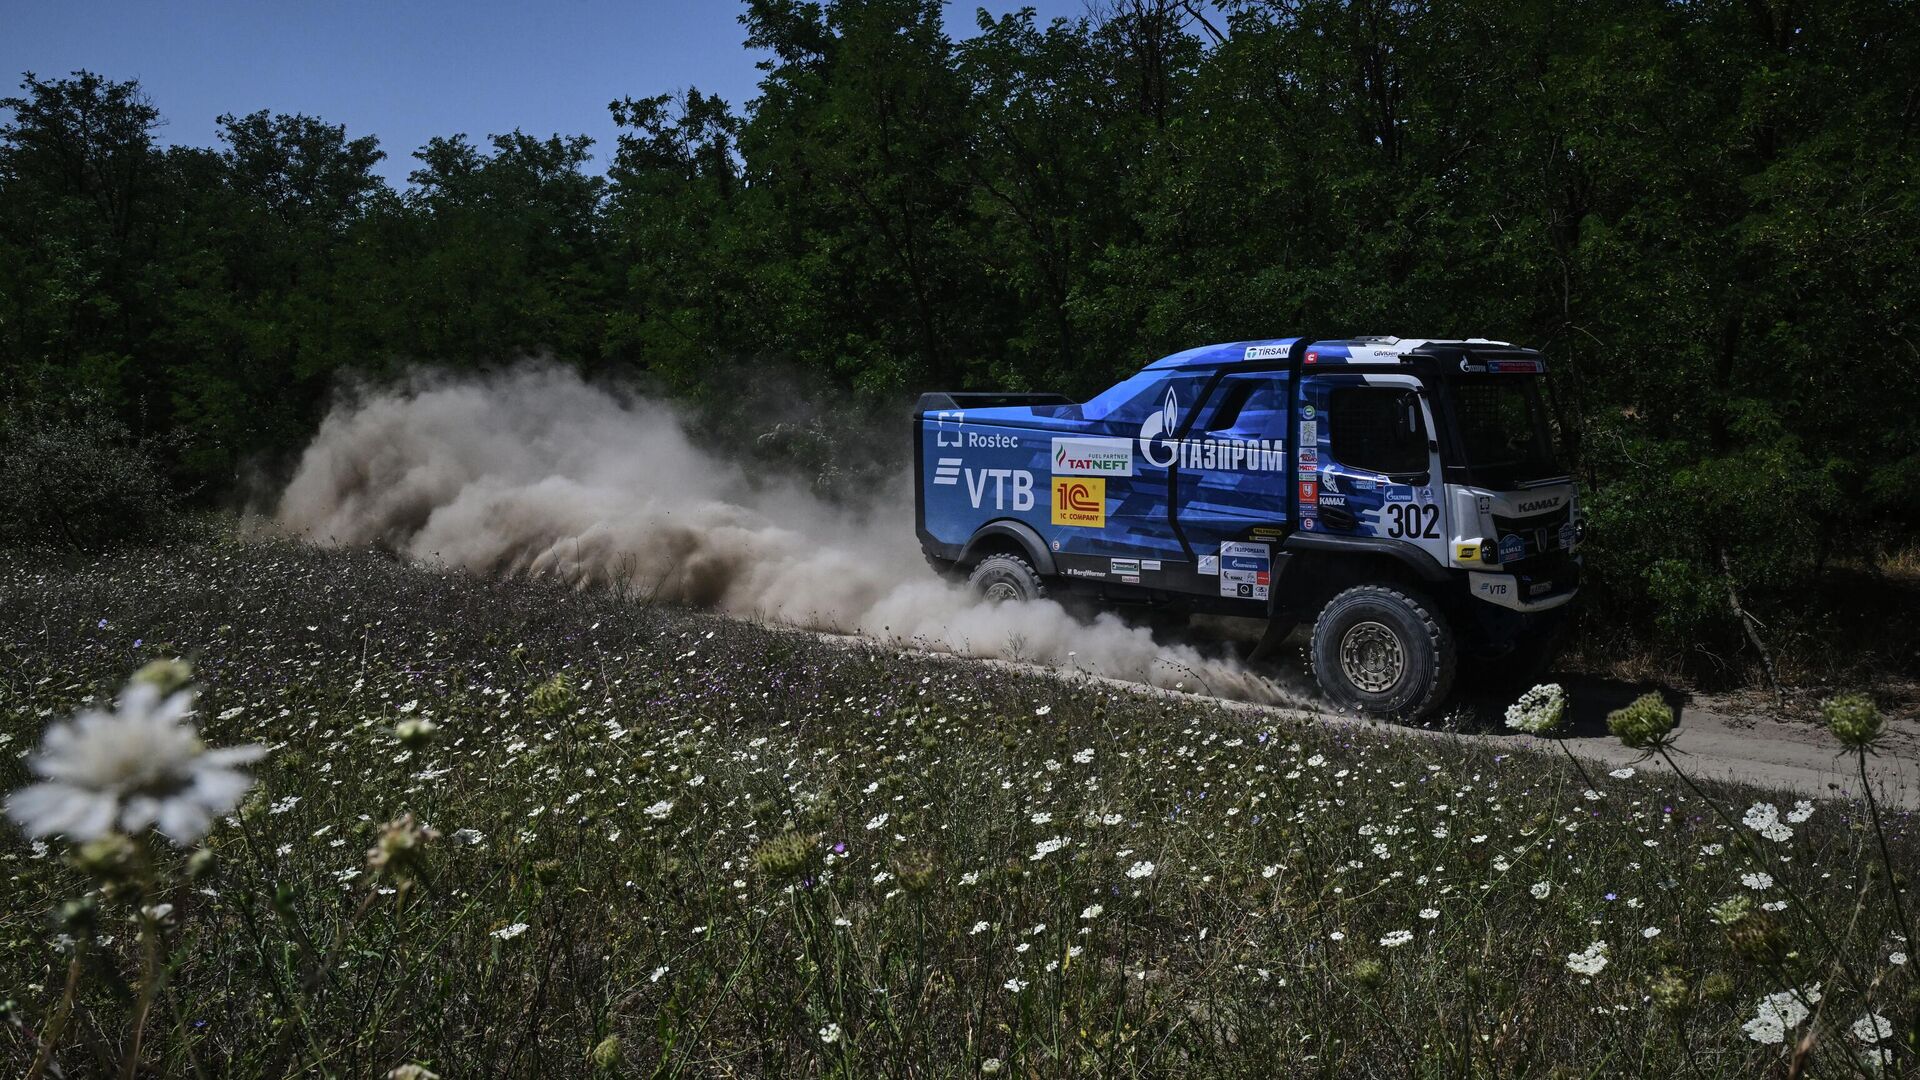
(1541, 532)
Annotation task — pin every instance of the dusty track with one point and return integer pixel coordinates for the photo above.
(1719, 737)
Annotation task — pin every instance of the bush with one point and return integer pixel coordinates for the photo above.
(72, 477)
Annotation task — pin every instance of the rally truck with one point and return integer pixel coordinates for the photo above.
(1400, 497)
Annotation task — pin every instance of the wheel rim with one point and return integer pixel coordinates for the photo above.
(1001, 591)
(1371, 657)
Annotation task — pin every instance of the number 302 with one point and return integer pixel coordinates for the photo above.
(1413, 520)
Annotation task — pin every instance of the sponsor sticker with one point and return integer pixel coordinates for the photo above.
(1010, 487)
(1245, 570)
(1150, 565)
(1395, 493)
(1466, 552)
(992, 441)
(1093, 457)
(1130, 579)
(1361, 485)
(1209, 565)
(1309, 432)
(1159, 447)
(1309, 491)
(1486, 504)
(1075, 571)
(1266, 352)
(1328, 499)
(1310, 524)
(1512, 548)
(1567, 534)
(946, 471)
(1309, 457)
(946, 426)
(1123, 566)
(1080, 502)
(1306, 412)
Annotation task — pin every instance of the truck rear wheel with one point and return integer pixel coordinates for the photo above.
(1382, 651)
(1000, 578)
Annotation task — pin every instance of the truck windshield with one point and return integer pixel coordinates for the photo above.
(1503, 429)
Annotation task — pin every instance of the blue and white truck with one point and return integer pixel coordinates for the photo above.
(1402, 497)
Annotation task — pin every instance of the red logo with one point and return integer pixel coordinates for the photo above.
(1309, 491)
(1078, 497)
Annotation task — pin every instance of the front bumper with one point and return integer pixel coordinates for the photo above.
(1518, 592)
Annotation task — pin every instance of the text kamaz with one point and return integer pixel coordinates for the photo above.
(1402, 496)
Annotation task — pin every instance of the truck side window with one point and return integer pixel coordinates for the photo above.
(1379, 429)
(1249, 409)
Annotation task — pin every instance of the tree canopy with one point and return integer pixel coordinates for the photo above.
(1706, 213)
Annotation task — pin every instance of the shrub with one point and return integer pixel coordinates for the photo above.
(73, 477)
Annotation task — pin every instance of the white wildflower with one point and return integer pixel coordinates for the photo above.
(830, 1034)
(508, 933)
(1776, 1014)
(1541, 890)
(1539, 710)
(1140, 869)
(1872, 1027)
(658, 811)
(1764, 818)
(1589, 961)
(1047, 847)
(143, 765)
(1396, 938)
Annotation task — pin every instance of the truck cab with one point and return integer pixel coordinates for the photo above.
(1400, 496)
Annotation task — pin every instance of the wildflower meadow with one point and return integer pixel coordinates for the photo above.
(279, 811)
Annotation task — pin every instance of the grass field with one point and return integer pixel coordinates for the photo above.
(651, 842)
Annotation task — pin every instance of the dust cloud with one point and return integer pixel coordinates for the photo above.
(537, 472)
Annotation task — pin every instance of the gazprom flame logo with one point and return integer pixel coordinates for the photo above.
(1162, 450)
(1156, 433)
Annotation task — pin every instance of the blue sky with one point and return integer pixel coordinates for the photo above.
(404, 70)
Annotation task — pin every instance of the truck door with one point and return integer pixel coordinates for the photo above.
(1369, 464)
(1234, 478)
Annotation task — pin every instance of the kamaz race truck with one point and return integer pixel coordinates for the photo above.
(1400, 496)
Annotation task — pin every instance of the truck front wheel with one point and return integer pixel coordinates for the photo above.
(999, 578)
(1382, 651)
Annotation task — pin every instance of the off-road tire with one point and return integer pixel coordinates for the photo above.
(999, 578)
(1416, 666)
